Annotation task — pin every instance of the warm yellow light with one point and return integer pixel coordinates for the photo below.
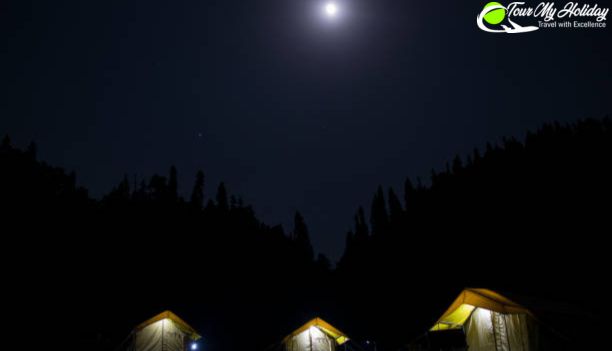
(456, 319)
(342, 339)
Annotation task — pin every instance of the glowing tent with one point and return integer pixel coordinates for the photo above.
(164, 332)
(490, 321)
(316, 335)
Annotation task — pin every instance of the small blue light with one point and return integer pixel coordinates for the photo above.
(194, 346)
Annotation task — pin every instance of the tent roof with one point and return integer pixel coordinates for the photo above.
(173, 317)
(325, 327)
(469, 299)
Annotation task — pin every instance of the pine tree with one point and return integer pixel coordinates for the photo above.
(158, 188)
(301, 237)
(32, 151)
(457, 165)
(197, 195)
(173, 184)
(379, 217)
(409, 195)
(120, 194)
(123, 189)
(222, 202)
(349, 241)
(361, 227)
(395, 208)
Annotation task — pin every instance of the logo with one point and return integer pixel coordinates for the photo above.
(496, 18)
(494, 13)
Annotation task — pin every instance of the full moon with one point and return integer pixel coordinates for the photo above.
(331, 9)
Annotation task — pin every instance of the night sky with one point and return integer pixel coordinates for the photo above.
(293, 111)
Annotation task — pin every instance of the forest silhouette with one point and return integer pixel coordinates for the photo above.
(529, 217)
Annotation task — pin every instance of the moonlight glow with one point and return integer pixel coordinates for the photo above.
(331, 9)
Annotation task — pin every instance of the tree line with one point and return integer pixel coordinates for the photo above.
(530, 217)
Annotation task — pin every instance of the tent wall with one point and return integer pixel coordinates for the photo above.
(486, 330)
(311, 339)
(163, 335)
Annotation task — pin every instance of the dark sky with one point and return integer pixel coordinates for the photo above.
(294, 112)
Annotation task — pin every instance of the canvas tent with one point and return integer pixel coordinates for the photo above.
(164, 332)
(315, 335)
(490, 321)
